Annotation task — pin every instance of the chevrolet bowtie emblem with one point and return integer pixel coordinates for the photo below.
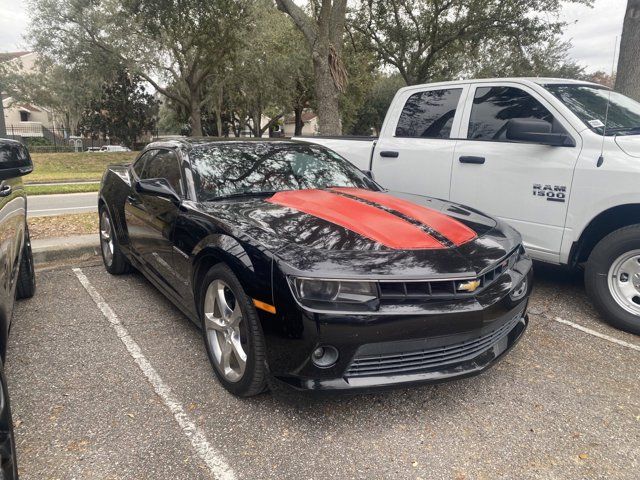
(469, 286)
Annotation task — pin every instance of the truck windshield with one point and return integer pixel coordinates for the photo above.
(589, 103)
(237, 169)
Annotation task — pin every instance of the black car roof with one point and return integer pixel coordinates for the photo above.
(10, 141)
(191, 142)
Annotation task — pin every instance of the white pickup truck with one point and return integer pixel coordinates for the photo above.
(533, 152)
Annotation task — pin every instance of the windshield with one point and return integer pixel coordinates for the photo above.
(232, 169)
(589, 103)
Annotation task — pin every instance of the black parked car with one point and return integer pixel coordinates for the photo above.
(17, 278)
(301, 270)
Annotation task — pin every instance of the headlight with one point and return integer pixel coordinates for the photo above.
(335, 295)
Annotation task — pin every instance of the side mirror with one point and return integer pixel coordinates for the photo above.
(15, 160)
(536, 131)
(158, 187)
(369, 174)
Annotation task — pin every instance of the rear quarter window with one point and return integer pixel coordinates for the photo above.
(429, 114)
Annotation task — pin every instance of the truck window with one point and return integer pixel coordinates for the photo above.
(493, 107)
(594, 104)
(429, 114)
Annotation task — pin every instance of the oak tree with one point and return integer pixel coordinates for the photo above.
(628, 76)
(323, 27)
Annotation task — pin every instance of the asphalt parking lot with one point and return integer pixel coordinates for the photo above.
(117, 386)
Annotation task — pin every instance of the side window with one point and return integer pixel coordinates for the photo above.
(165, 165)
(429, 114)
(138, 167)
(493, 107)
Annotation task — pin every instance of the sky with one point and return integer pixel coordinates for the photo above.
(592, 31)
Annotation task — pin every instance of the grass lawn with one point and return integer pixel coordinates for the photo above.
(64, 167)
(51, 189)
(63, 225)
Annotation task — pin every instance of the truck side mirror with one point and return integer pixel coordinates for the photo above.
(15, 160)
(533, 130)
(369, 174)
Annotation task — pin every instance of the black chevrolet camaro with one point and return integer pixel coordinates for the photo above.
(302, 271)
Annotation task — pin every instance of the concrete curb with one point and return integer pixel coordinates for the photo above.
(70, 182)
(65, 249)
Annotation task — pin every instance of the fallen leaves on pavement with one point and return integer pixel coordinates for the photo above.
(63, 225)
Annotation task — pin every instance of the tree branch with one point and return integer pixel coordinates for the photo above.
(300, 18)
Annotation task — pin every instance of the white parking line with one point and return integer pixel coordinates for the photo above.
(217, 465)
(632, 346)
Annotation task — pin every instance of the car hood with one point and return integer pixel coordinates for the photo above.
(629, 144)
(313, 233)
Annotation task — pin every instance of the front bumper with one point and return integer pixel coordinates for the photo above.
(402, 345)
(408, 375)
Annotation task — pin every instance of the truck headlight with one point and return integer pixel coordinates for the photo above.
(335, 295)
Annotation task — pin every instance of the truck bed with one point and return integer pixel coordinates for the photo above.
(356, 149)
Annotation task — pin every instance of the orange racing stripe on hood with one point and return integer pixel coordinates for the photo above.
(370, 222)
(457, 232)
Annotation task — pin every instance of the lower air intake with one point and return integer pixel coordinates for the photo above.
(428, 359)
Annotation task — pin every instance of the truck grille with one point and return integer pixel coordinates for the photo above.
(427, 359)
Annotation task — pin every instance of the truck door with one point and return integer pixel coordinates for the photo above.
(527, 184)
(415, 150)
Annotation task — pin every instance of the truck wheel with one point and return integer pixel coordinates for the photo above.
(114, 260)
(26, 276)
(612, 278)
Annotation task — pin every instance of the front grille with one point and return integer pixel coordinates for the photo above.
(442, 289)
(427, 359)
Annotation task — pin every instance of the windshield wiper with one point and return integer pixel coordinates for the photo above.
(247, 193)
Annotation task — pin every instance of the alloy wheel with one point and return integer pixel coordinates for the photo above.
(223, 323)
(106, 238)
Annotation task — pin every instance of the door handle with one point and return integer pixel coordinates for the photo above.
(5, 190)
(133, 200)
(389, 154)
(472, 159)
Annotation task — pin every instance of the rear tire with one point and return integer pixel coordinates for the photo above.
(114, 260)
(232, 334)
(8, 459)
(612, 278)
(26, 286)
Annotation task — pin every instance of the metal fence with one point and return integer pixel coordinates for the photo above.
(39, 138)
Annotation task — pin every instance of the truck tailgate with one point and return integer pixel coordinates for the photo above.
(357, 149)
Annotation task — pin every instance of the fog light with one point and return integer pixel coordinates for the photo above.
(519, 291)
(324, 356)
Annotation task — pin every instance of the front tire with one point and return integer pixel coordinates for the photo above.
(232, 334)
(114, 260)
(612, 278)
(26, 286)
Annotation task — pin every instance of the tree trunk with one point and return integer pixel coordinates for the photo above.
(324, 35)
(3, 127)
(628, 76)
(219, 112)
(255, 128)
(327, 95)
(299, 124)
(196, 116)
